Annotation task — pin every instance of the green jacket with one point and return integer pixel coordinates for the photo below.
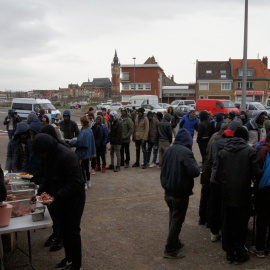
(127, 129)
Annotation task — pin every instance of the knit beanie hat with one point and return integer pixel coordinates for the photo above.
(235, 124)
(241, 132)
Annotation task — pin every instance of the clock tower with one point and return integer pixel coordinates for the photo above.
(115, 75)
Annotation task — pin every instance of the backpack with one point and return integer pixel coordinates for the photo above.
(265, 180)
(105, 133)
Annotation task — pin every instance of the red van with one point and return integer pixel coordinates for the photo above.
(216, 105)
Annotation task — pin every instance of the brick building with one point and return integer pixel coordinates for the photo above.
(115, 68)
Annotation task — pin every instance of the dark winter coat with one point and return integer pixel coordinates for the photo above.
(13, 152)
(69, 128)
(246, 120)
(153, 130)
(127, 129)
(116, 133)
(14, 120)
(220, 121)
(63, 178)
(98, 135)
(204, 129)
(179, 167)
(237, 166)
(165, 128)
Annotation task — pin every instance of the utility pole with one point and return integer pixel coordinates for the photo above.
(134, 75)
(244, 79)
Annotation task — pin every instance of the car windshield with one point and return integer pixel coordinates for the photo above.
(157, 107)
(228, 104)
(175, 102)
(259, 106)
(47, 106)
(189, 102)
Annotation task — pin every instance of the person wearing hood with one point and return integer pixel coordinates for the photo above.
(179, 168)
(164, 136)
(31, 117)
(69, 127)
(219, 121)
(45, 120)
(244, 118)
(152, 139)
(190, 122)
(11, 122)
(232, 116)
(85, 148)
(115, 136)
(64, 182)
(140, 136)
(236, 192)
(127, 131)
(256, 128)
(16, 149)
(175, 119)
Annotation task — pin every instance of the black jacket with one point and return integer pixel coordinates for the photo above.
(116, 133)
(204, 128)
(237, 166)
(69, 128)
(14, 120)
(62, 174)
(179, 168)
(165, 128)
(98, 135)
(3, 191)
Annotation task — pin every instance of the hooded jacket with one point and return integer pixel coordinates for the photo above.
(165, 128)
(220, 121)
(85, 144)
(62, 176)
(204, 128)
(98, 135)
(246, 120)
(13, 152)
(115, 134)
(31, 117)
(236, 183)
(141, 128)
(179, 167)
(256, 132)
(127, 128)
(153, 130)
(69, 128)
(14, 120)
(189, 124)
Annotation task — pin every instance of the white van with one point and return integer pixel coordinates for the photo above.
(186, 102)
(137, 101)
(24, 106)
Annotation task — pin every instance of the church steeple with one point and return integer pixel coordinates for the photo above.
(115, 74)
(115, 59)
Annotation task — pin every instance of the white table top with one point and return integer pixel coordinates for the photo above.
(25, 223)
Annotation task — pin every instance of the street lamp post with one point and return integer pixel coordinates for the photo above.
(134, 74)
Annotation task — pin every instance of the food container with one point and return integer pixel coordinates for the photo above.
(23, 186)
(20, 208)
(5, 214)
(37, 213)
(22, 194)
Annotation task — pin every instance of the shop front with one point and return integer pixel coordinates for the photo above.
(251, 96)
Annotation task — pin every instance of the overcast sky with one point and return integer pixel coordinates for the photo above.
(51, 43)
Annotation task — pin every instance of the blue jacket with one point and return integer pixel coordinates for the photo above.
(85, 144)
(105, 133)
(189, 125)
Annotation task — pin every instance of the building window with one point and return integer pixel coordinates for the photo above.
(209, 71)
(223, 71)
(140, 86)
(125, 76)
(201, 97)
(148, 86)
(204, 86)
(249, 85)
(240, 73)
(223, 76)
(239, 85)
(269, 85)
(126, 86)
(226, 86)
(249, 73)
(125, 98)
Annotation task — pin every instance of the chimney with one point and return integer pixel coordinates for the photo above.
(172, 78)
(265, 61)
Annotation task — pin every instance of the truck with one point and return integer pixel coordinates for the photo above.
(137, 101)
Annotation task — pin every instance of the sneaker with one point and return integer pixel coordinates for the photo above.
(144, 166)
(152, 165)
(180, 244)
(136, 165)
(49, 241)
(173, 255)
(103, 168)
(64, 264)
(230, 257)
(117, 169)
(88, 184)
(241, 258)
(258, 253)
(214, 237)
(57, 245)
(85, 187)
(97, 169)
(111, 167)
(127, 165)
(93, 171)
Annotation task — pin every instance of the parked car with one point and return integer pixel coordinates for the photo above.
(152, 108)
(137, 101)
(216, 105)
(72, 106)
(116, 106)
(103, 105)
(164, 105)
(182, 110)
(182, 102)
(254, 106)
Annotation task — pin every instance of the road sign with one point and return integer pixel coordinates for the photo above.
(76, 107)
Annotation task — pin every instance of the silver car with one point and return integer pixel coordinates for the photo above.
(254, 106)
(182, 110)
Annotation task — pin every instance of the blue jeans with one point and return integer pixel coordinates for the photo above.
(153, 146)
(10, 134)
